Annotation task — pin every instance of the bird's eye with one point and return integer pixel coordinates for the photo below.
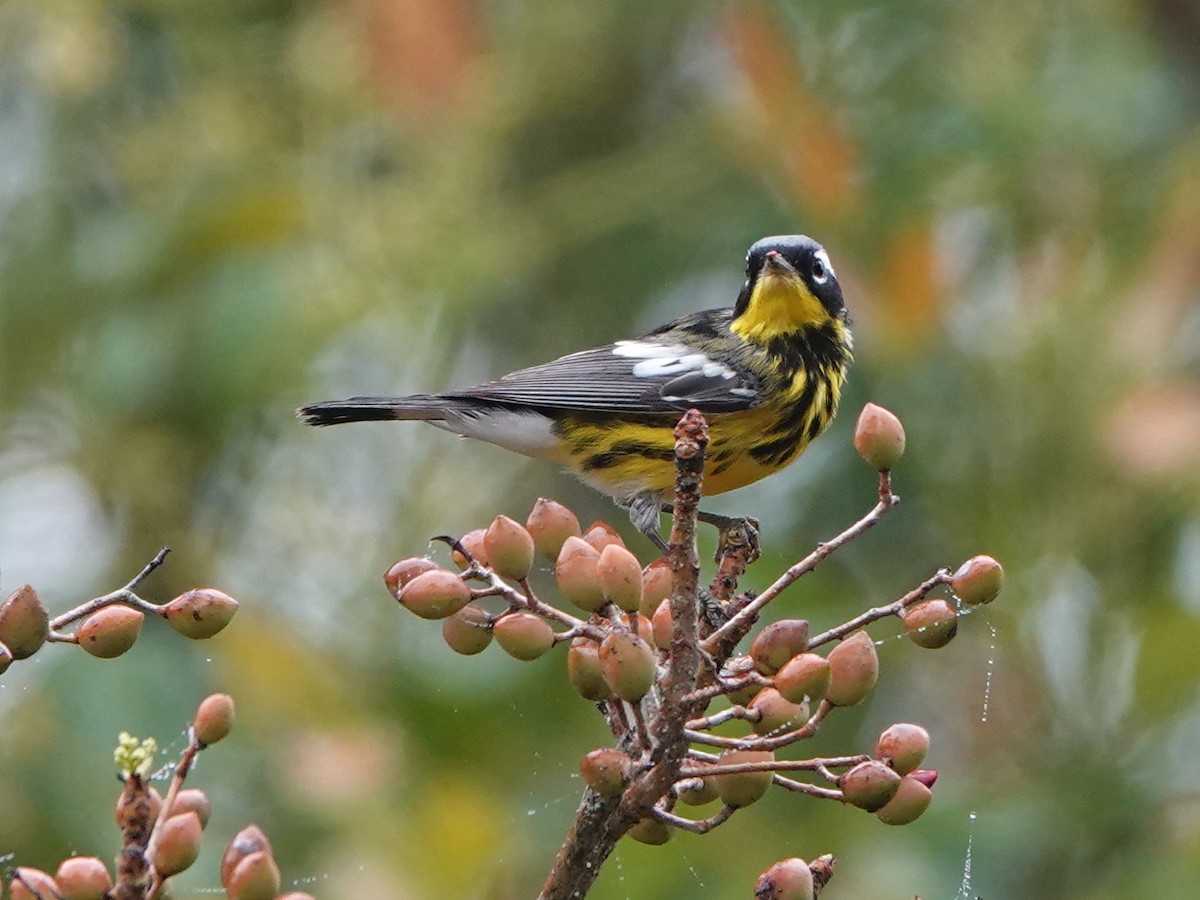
(820, 273)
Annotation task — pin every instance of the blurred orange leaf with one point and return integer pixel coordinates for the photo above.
(819, 161)
(1155, 432)
(910, 298)
(421, 50)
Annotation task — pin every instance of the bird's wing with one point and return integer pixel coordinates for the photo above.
(651, 375)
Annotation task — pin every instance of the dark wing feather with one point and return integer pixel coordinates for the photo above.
(602, 381)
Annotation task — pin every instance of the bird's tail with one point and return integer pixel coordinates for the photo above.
(372, 409)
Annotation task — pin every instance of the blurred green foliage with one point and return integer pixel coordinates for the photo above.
(213, 212)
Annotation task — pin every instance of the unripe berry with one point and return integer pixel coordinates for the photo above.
(978, 580)
(743, 788)
(869, 785)
(931, 623)
(468, 631)
(805, 675)
(620, 576)
(927, 777)
(744, 695)
(777, 714)
(436, 594)
(663, 625)
(550, 524)
(523, 635)
(404, 571)
(248, 841)
(696, 791)
(31, 884)
(214, 718)
(777, 643)
(109, 632)
(912, 798)
(788, 879)
(879, 437)
(200, 613)
(650, 831)
(904, 746)
(853, 670)
(601, 534)
(606, 771)
(472, 542)
(192, 800)
(583, 670)
(657, 583)
(576, 574)
(645, 630)
(178, 844)
(24, 624)
(256, 877)
(82, 878)
(628, 665)
(509, 548)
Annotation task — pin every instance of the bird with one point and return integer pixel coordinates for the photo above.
(766, 373)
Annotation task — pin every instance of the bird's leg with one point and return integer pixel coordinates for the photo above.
(735, 528)
(644, 510)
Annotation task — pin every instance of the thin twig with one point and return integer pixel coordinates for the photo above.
(725, 715)
(733, 630)
(639, 722)
(920, 592)
(807, 730)
(696, 826)
(498, 587)
(120, 595)
(777, 765)
(177, 777)
(803, 787)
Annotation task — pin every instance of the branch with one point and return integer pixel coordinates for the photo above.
(738, 548)
(602, 820)
(121, 595)
(735, 629)
(133, 864)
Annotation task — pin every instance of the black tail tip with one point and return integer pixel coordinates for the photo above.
(315, 415)
(354, 410)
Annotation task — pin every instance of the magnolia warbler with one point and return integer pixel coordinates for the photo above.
(767, 374)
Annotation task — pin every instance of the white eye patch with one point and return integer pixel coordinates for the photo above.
(824, 259)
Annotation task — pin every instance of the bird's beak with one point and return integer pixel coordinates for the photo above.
(776, 265)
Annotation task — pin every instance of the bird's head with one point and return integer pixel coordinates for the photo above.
(790, 288)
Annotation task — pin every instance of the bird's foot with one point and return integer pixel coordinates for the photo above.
(735, 533)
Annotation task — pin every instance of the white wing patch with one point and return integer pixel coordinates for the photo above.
(647, 349)
(669, 359)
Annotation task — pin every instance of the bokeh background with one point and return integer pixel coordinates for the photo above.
(213, 212)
